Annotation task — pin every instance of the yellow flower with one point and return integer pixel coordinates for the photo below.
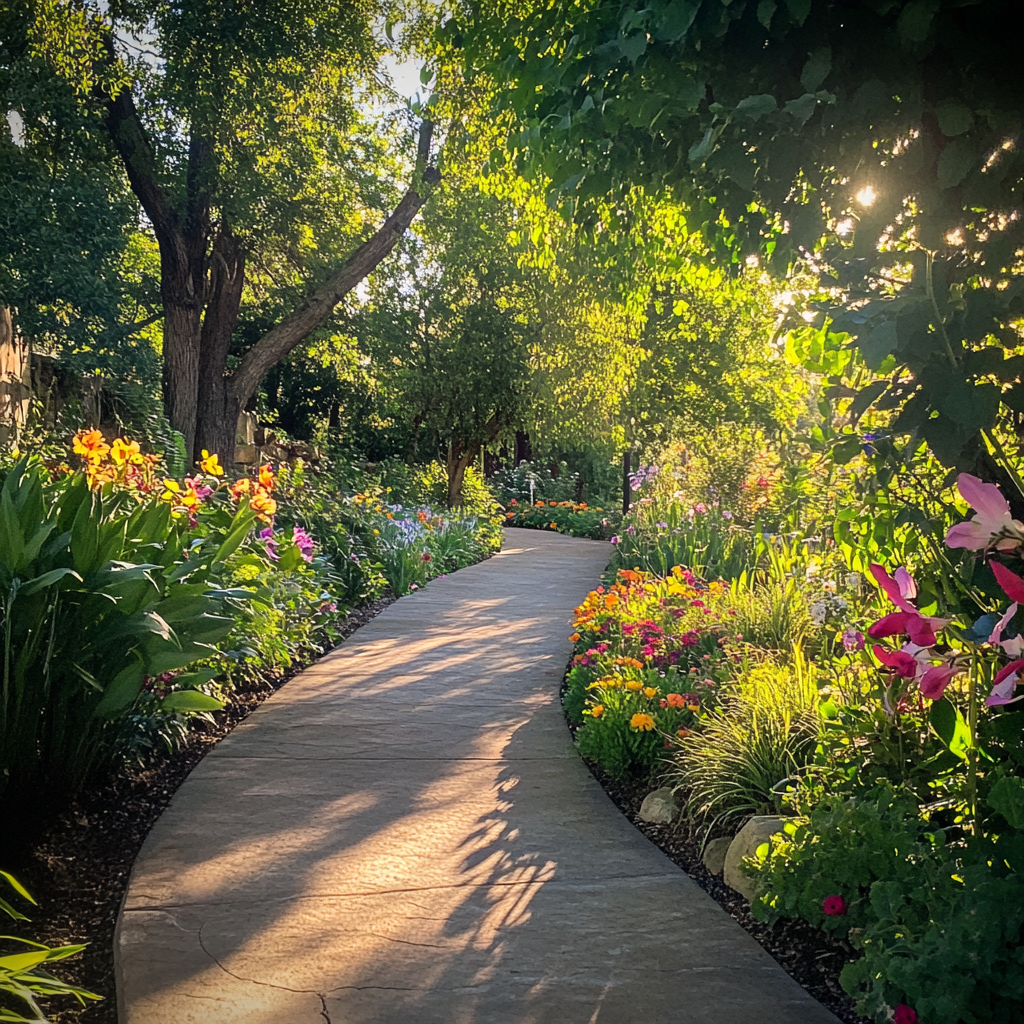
(210, 464)
(267, 478)
(263, 505)
(376, 533)
(90, 445)
(240, 487)
(597, 711)
(693, 707)
(633, 685)
(641, 722)
(122, 451)
(650, 692)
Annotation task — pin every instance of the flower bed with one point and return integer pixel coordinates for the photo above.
(576, 519)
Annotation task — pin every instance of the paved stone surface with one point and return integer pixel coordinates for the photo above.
(405, 835)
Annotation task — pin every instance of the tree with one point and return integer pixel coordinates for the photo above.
(243, 134)
(875, 139)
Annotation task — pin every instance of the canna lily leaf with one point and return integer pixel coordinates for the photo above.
(46, 580)
(190, 700)
(123, 689)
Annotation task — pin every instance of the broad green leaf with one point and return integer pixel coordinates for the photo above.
(816, 69)
(954, 118)
(956, 162)
(758, 106)
(121, 691)
(1007, 797)
(190, 700)
(950, 727)
(47, 579)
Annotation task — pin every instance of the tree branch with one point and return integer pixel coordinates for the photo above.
(319, 306)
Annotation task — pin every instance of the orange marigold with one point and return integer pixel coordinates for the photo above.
(641, 722)
(597, 710)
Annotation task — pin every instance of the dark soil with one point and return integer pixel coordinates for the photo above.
(809, 955)
(78, 871)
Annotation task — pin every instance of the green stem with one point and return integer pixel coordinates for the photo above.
(972, 753)
(1000, 452)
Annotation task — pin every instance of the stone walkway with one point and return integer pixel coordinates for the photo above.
(405, 835)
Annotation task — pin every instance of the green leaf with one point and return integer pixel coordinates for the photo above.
(817, 69)
(1007, 797)
(866, 397)
(954, 118)
(700, 151)
(765, 10)
(916, 20)
(16, 886)
(47, 579)
(633, 46)
(190, 700)
(798, 10)
(23, 961)
(122, 690)
(879, 342)
(802, 107)
(675, 21)
(950, 727)
(758, 106)
(956, 162)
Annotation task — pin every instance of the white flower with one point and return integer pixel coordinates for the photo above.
(819, 612)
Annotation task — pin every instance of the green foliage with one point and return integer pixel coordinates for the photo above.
(97, 594)
(765, 732)
(24, 979)
(939, 923)
(562, 517)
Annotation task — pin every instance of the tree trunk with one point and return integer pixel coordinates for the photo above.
(459, 460)
(218, 408)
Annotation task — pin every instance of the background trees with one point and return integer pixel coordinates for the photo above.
(877, 141)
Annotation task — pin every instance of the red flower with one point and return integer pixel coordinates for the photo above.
(904, 1015)
(834, 906)
(426, 556)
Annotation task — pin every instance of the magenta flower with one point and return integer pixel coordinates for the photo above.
(853, 640)
(1005, 682)
(914, 662)
(991, 525)
(267, 536)
(900, 589)
(833, 906)
(904, 1014)
(304, 543)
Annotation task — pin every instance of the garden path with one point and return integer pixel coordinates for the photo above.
(405, 835)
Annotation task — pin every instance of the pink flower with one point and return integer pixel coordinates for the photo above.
(853, 640)
(900, 662)
(1005, 682)
(834, 906)
(1014, 646)
(900, 588)
(1012, 584)
(991, 525)
(904, 1015)
(914, 662)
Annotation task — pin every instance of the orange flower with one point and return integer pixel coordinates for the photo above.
(554, 526)
(422, 516)
(641, 722)
(574, 637)
(629, 662)
(263, 505)
(90, 445)
(241, 487)
(682, 733)
(210, 464)
(267, 479)
(675, 700)
(597, 711)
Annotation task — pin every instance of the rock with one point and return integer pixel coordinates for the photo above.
(714, 854)
(659, 807)
(245, 454)
(750, 837)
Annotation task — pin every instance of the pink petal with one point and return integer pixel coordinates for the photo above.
(922, 629)
(986, 499)
(893, 624)
(908, 588)
(1002, 692)
(900, 662)
(935, 681)
(970, 535)
(891, 588)
(997, 631)
(1012, 584)
(1008, 670)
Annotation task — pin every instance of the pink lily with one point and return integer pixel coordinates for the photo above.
(1006, 680)
(991, 525)
(914, 662)
(900, 588)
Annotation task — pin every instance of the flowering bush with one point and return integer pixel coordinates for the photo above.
(573, 518)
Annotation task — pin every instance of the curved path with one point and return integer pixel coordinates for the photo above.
(405, 835)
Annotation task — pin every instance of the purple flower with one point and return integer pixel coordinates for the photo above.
(727, 514)
(631, 529)
(853, 640)
(267, 536)
(615, 540)
(662, 525)
(304, 543)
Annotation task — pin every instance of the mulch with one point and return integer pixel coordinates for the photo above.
(78, 870)
(810, 956)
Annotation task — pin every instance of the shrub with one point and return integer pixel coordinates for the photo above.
(765, 732)
(576, 520)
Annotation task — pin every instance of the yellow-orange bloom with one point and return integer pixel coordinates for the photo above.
(267, 478)
(633, 685)
(682, 733)
(650, 692)
(263, 505)
(122, 451)
(574, 637)
(597, 711)
(241, 487)
(210, 464)
(90, 445)
(641, 722)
